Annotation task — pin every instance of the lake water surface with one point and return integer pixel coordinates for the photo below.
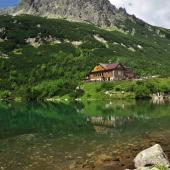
(42, 135)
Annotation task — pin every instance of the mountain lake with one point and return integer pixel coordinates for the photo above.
(73, 135)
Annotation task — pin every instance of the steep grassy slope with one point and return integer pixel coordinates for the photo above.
(42, 57)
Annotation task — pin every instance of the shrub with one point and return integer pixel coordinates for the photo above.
(5, 94)
(142, 92)
(76, 94)
(106, 86)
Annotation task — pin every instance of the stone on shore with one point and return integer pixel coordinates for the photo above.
(151, 156)
(147, 168)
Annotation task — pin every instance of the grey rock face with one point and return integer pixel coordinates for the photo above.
(98, 12)
(150, 156)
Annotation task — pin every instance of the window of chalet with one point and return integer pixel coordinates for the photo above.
(110, 73)
(98, 75)
(119, 73)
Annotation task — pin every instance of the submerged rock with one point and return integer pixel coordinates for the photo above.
(31, 136)
(151, 156)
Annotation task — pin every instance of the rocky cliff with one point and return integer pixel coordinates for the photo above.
(98, 12)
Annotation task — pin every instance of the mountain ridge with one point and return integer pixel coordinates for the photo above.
(98, 12)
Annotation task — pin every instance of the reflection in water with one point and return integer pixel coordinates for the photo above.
(40, 117)
(123, 105)
(117, 116)
(70, 118)
(17, 118)
(114, 121)
(158, 100)
(106, 130)
(109, 124)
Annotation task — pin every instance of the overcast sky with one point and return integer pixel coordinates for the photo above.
(154, 12)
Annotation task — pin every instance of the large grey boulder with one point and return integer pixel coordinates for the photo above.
(150, 156)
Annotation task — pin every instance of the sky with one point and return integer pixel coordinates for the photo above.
(154, 12)
(8, 3)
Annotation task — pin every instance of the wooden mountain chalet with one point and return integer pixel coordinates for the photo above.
(109, 72)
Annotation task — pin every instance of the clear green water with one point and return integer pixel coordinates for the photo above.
(47, 133)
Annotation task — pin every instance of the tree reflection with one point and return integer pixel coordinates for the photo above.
(17, 118)
(58, 118)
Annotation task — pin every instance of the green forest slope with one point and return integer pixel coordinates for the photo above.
(42, 57)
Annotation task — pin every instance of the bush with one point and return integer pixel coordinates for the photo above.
(106, 86)
(76, 94)
(5, 94)
(142, 92)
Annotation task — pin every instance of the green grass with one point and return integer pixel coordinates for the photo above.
(132, 89)
(17, 51)
(159, 166)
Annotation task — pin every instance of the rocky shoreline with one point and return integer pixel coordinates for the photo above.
(33, 151)
(125, 160)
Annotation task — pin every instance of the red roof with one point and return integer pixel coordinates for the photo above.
(109, 66)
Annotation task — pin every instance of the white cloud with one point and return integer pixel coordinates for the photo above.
(154, 12)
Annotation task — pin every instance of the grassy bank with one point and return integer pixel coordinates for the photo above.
(131, 89)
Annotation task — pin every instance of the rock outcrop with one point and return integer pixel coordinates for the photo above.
(98, 12)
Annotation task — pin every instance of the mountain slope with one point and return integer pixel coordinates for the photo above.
(42, 57)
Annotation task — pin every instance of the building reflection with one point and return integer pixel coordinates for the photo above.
(116, 116)
(112, 124)
(106, 130)
(158, 100)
